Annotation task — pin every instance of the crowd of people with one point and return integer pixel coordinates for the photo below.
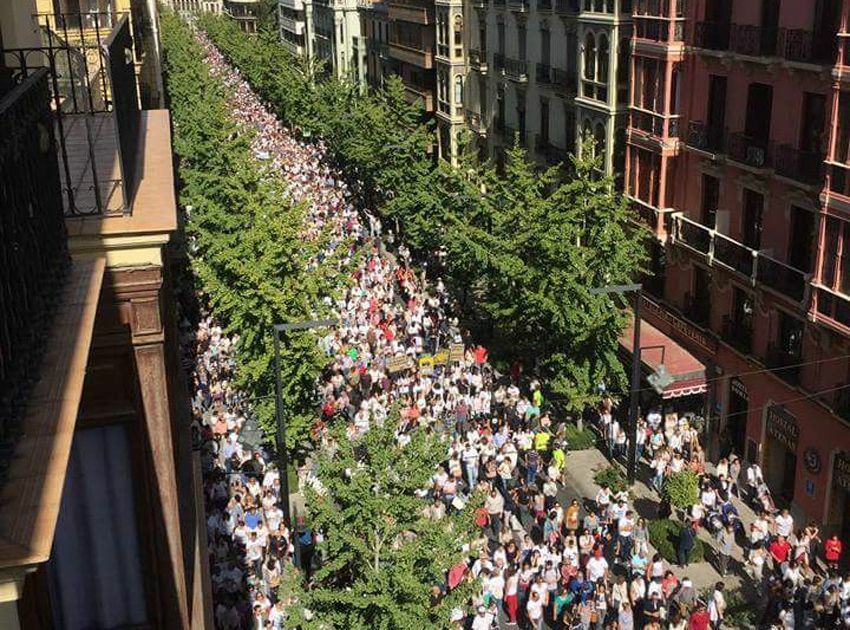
(540, 558)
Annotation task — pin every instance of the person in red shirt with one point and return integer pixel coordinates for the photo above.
(832, 551)
(779, 550)
(699, 619)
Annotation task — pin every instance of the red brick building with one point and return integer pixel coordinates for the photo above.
(738, 156)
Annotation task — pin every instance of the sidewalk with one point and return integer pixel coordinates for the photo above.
(581, 466)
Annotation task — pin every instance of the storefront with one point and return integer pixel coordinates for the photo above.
(734, 433)
(779, 463)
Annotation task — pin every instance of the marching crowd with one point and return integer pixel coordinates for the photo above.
(539, 559)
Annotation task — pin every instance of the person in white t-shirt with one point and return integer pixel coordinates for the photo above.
(534, 608)
(784, 523)
(597, 567)
(717, 606)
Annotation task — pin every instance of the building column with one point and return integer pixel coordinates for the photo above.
(139, 289)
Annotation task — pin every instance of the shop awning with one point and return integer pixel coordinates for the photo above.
(657, 350)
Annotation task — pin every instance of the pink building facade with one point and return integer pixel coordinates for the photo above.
(738, 160)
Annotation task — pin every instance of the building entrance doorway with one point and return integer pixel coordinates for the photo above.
(780, 458)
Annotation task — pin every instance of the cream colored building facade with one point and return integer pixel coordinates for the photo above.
(544, 72)
(327, 30)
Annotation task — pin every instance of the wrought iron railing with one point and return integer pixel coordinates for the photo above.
(782, 278)
(516, 69)
(544, 5)
(498, 61)
(95, 103)
(544, 75)
(784, 363)
(754, 41)
(712, 35)
(804, 46)
(802, 166)
(705, 137)
(746, 149)
(734, 255)
(565, 82)
(33, 242)
(477, 59)
(737, 334)
(567, 7)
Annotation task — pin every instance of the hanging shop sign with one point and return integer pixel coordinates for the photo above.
(782, 427)
(738, 388)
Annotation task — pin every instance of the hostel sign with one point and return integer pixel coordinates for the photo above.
(782, 427)
(841, 470)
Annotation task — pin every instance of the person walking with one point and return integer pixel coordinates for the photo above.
(687, 539)
(725, 545)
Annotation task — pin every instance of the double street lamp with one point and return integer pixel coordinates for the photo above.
(282, 455)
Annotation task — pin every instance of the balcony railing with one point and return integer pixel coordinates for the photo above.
(737, 335)
(476, 122)
(654, 123)
(803, 166)
(33, 247)
(565, 82)
(782, 278)
(748, 150)
(754, 41)
(544, 6)
(478, 60)
(567, 7)
(705, 137)
(498, 62)
(712, 35)
(516, 69)
(784, 364)
(757, 267)
(803, 46)
(96, 113)
(519, 6)
(657, 29)
(544, 74)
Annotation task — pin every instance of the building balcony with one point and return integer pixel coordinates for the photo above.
(567, 7)
(519, 6)
(544, 6)
(291, 25)
(748, 150)
(479, 4)
(803, 46)
(712, 35)
(96, 116)
(516, 69)
(476, 122)
(414, 11)
(754, 41)
(784, 364)
(498, 62)
(757, 268)
(659, 30)
(564, 82)
(478, 60)
(449, 112)
(412, 54)
(806, 167)
(552, 154)
(424, 97)
(654, 124)
(833, 308)
(295, 5)
(705, 137)
(544, 75)
(737, 335)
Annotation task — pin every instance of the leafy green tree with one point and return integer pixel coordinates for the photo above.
(382, 554)
(244, 240)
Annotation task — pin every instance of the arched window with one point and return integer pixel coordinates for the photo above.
(599, 137)
(602, 73)
(459, 90)
(590, 57)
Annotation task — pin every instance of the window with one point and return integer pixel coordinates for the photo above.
(751, 226)
(842, 142)
(599, 137)
(500, 32)
(710, 200)
(602, 60)
(802, 235)
(544, 121)
(590, 57)
(521, 41)
(458, 90)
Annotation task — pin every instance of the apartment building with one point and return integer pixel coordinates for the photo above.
(412, 38)
(326, 30)
(188, 7)
(375, 26)
(244, 12)
(102, 522)
(737, 161)
(545, 72)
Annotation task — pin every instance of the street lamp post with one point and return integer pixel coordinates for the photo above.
(631, 471)
(282, 456)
